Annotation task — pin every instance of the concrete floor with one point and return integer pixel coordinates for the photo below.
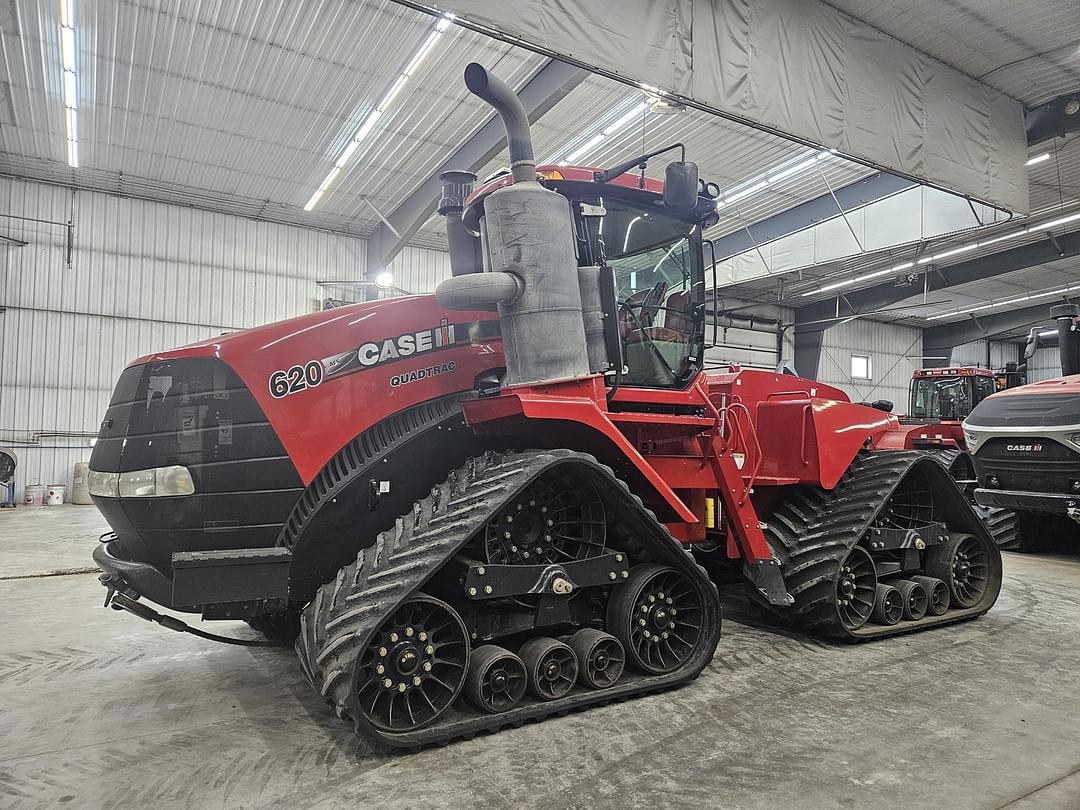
(98, 709)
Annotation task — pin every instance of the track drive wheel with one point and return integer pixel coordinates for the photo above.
(497, 679)
(600, 657)
(962, 563)
(856, 584)
(916, 600)
(656, 616)
(888, 605)
(414, 667)
(551, 665)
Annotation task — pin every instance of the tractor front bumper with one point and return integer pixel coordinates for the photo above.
(227, 584)
(1019, 500)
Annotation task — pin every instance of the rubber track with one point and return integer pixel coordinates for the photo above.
(339, 621)
(813, 529)
(1003, 524)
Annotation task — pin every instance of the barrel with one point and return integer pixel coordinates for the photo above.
(34, 495)
(80, 484)
(56, 494)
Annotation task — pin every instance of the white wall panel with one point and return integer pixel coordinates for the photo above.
(974, 354)
(749, 345)
(144, 277)
(895, 352)
(1045, 365)
(418, 270)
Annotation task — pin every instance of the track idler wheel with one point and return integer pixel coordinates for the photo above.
(963, 564)
(414, 667)
(888, 605)
(856, 585)
(496, 680)
(656, 616)
(551, 665)
(600, 656)
(937, 593)
(916, 600)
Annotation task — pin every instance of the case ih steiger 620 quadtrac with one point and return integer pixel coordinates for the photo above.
(479, 503)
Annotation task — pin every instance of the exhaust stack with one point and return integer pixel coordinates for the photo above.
(498, 94)
(1068, 338)
(530, 268)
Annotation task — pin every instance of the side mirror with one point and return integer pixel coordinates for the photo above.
(1032, 343)
(681, 185)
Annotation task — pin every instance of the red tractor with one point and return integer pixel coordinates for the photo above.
(478, 504)
(940, 398)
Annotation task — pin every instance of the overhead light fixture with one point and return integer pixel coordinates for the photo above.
(1031, 229)
(385, 280)
(70, 83)
(624, 119)
(759, 182)
(1020, 299)
(1072, 106)
(372, 118)
(1038, 159)
(1048, 333)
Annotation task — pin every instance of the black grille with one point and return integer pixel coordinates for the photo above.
(197, 413)
(1028, 464)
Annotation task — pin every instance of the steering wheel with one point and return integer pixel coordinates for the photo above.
(647, 302)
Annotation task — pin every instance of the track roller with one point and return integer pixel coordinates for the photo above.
(600, 656)
(962, 563)
(496, 680)
(937, 593)
(888, 605)
(656, 616)
(551, 665)
(916, 600)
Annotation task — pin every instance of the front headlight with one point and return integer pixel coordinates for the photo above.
(159, 482)
(103, 484)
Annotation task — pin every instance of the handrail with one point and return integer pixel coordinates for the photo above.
(734, 408)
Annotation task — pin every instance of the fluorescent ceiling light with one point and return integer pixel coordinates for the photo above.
(896, 268)
(314, 200)
(591, 144)
(1038, 159)
(798, 167)
(67, 47)
(782, 171)
(1054, 223)
(1048, 333)
(1031, 229)
(69, 81)
(372, 118)
(1007, 302)
(633, 114)
(71, 93)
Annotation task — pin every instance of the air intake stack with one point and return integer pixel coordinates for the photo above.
(531, 273)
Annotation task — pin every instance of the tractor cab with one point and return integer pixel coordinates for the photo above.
(949, 394)
(651, 255)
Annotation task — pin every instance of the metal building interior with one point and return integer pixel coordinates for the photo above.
(892, 187)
